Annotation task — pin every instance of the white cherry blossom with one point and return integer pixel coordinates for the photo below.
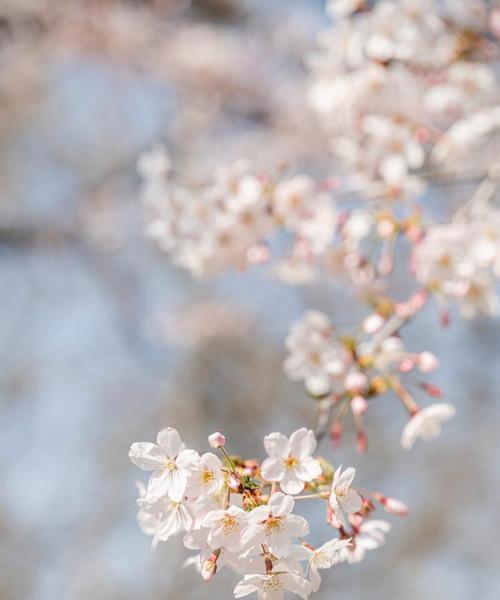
(426, 423)
(170, 462)
(369, 536)
(272, 586)
(290, 462)
(343, 498)
(324, 557)
(173, 516)
(275, 525)
(225, 528)
(208, 477)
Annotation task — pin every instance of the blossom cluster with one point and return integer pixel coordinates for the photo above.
(347, 372)
(226, 222)
(460, 261)
(241, 514)
(405, 84)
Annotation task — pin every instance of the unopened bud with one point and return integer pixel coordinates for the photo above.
(373, 323)
(406, 365)
(395, 507)
(433, 390)
(355, 381)
(392, 505)
(359, 405)
(427, 362)
(336, 434)
(209, 567)
(361, 442)
(216, 440)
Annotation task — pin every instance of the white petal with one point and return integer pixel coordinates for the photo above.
(308, 469)
(176, 484)
(248, 585)
(280, 505)
(314, 577)
(346, 478)
(410, 432)
(272, 469)
(170, 440)
(146, 456)
(352, 502)
(188, 460)
(303, 442)
(276, 444)
(297, 526)
(290, 483)
(297, 584)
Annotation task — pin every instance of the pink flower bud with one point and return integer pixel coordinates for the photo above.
(209, 568)
(233, 482)
(395, 507)
(433, 390)
(361, 442)
(336, 434)
(406, 365)
(359, 405)
(216, 440)
(427, 362)
(373, 323)
(355, 381)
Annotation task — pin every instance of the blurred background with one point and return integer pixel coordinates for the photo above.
(103, 342)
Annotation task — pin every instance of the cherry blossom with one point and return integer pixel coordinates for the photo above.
(272, 586)
(290, 462)
(226, 528)
(275, 525)
(170, 462)
(369, 536)
(324, 557)
(343, 498)
(314, 355)
(426, 423)
(208, 477)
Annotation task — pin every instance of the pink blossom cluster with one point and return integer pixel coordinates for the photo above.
(347, 372)
(404, 86)
(211, 226)
(241, 514)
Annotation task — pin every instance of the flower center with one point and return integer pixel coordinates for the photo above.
(206, 476)
(340, 494)
(229, 524)
(169, 465)
(272, 584)
(291, 462)
(320, 560)
(274, 524)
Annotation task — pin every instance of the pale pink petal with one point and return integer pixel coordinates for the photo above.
(276, 444)
(146, 456)
(308, 469)
(297, 526)
(170, 440)
(248, 585)
(280, 505)
(303, 442)
(188, 460)
(297, 584)
(272, 469)
(290, 483)
(352, 502)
